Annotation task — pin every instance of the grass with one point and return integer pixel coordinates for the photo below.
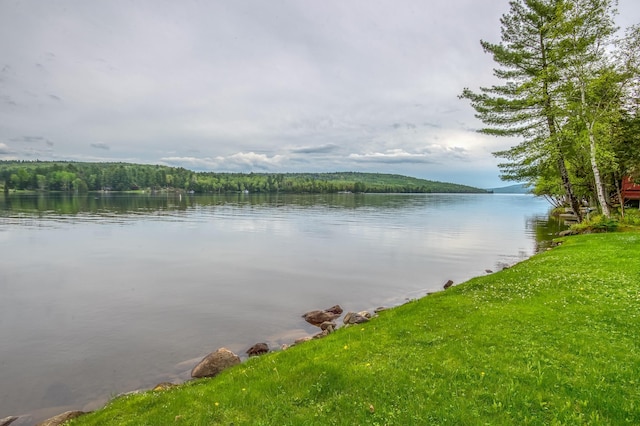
(553, 340)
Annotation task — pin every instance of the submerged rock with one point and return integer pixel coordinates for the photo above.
(258, 349)
(214, 363)
(61, 418)
(8, 420)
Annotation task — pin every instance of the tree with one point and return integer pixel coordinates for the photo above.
(627, 129)
(529, 104)
(593, 85)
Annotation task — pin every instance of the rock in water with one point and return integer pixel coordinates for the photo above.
(337, 309)
(318, 317)
(214, 363)
(8, 420)
(258, 349)
(61, 418)
(448, 284)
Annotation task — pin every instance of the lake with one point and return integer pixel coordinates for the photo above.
(107, 293)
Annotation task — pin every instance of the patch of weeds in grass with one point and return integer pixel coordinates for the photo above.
(596, 223)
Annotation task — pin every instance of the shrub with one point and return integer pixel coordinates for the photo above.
(596, 223)
(631, 217)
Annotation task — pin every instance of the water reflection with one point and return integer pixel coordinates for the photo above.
(107, 203)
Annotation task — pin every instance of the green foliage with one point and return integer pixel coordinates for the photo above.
(82, 177)
(631, 217)
(552, 340)
(570, 92)
(596, 223)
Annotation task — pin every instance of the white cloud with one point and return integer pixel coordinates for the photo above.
(392, 156)
(4, 149)
(238, 162)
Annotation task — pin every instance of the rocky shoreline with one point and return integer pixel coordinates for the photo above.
(212, 364)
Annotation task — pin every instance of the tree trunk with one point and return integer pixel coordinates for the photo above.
(619, 193)
(551, 126)
(566, 183)
(602, 199)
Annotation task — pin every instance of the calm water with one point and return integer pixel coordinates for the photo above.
(103, 294)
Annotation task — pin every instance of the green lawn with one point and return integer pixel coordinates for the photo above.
(552, 340)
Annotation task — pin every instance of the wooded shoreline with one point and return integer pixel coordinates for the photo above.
(84, 177)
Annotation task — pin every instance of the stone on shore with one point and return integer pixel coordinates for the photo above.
(61, 418)
(163, 386)
(328, 326)
(448, 284)
(318, 317)
(8, 420)
(356, 318)
(214, 363)
(258, 349)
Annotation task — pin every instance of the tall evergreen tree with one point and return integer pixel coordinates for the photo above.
(529, 104)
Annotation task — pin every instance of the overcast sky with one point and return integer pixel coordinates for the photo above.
(278, 85)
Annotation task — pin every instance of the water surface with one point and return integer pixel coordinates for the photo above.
(103, 294)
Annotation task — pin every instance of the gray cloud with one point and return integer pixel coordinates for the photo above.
(277, 86)
(100, 145)
(320, 149)
(32, 140)
(7, 100)
(409, 126)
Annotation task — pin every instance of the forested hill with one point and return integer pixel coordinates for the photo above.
(82, 177)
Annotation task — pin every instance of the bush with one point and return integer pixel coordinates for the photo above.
(631, 217)
(595, 223)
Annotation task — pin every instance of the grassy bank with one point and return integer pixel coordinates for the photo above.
(553, 340)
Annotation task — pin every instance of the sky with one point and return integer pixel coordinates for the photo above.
(252, 85)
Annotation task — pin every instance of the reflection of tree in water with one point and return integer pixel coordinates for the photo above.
(112, 203)
(99, 203)
(545, 229)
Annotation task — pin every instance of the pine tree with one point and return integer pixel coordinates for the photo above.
(529, 104)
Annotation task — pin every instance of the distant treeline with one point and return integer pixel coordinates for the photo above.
(84, 177)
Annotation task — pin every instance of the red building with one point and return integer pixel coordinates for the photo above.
(630, 190)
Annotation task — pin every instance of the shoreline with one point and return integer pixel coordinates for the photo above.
(508, 348)
(180, 374)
